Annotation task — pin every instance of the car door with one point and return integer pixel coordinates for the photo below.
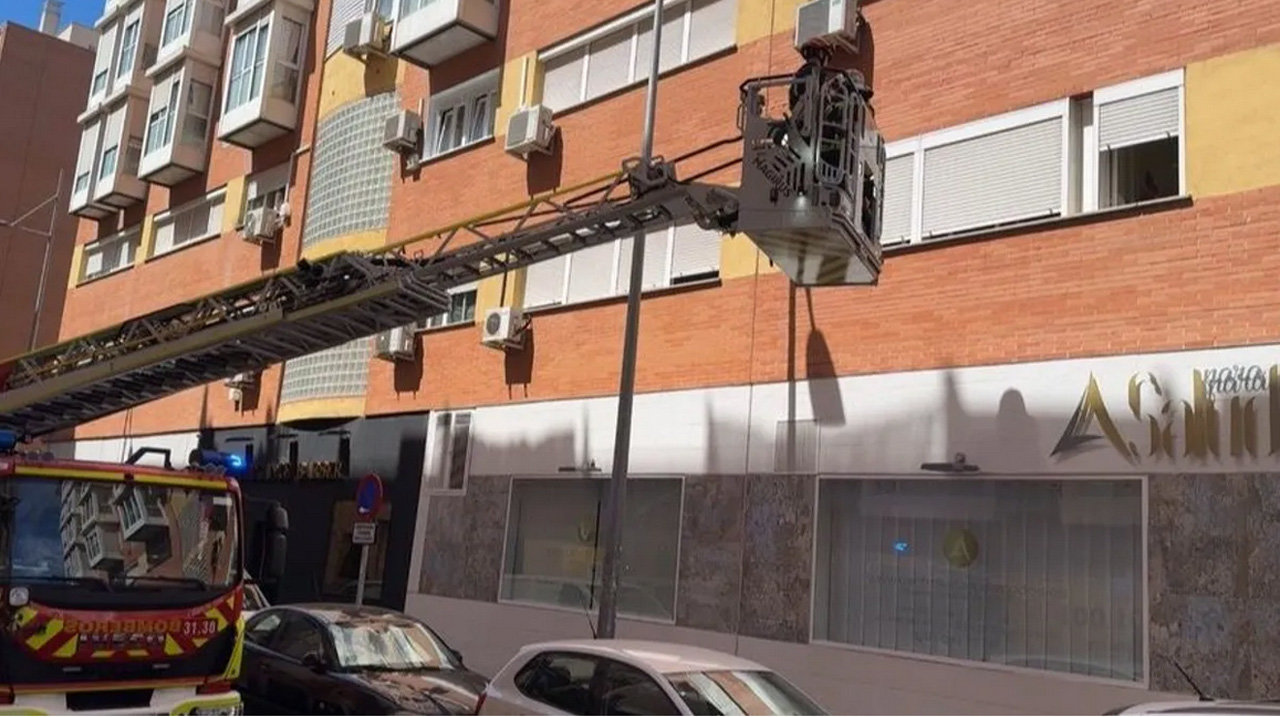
(259, 633)
(293, 685)
(621, 689)
(554, 683)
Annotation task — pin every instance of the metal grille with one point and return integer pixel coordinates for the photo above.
(339, 371)
(351, 181)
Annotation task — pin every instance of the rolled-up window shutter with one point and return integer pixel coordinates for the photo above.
(1139, 119)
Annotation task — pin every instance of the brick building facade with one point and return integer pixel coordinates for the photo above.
(1080, 207)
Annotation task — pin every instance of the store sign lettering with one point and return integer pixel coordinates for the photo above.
(1221, 419)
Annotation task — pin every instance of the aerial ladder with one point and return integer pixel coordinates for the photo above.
(810, 197)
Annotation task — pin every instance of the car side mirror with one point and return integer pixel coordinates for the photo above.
(314, 661)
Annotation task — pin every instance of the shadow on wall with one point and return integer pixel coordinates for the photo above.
(544, 171)
(518, 364)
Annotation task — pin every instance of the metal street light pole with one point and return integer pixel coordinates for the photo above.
(48, 250)
(626, 390)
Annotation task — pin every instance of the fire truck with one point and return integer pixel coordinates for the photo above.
(121, 585)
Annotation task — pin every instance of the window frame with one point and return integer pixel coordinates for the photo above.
(121, 70)
(174, 215)
(166, 37)
(1144, 579)
(463, 98)
(262, 186)
(445, 459)
(442, 319)
(635, 19)
(187, 110)
(683, 480)
(280, 64)
(259, 29)
(1091, 190)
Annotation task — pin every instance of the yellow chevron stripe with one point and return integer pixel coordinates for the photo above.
(103, 654)
(199, 641)
(215, 614)
(137, 653)
(171, 647)
(68, 649)
(25, 615)
(50, 631)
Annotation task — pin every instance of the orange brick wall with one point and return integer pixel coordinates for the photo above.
(1171, 279)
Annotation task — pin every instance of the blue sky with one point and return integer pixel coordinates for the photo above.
(27, 12)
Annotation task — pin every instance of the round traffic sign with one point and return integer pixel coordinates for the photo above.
(369, 495)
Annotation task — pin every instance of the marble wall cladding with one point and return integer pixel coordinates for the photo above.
(462, 555)
(777, 570)
(1214, 572)
(710, 553)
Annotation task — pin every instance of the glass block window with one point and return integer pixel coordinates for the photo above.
(351, 180)
(339, 371)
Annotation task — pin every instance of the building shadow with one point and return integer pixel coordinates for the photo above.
(517, 364)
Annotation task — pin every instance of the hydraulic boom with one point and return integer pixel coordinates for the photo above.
(810, 199)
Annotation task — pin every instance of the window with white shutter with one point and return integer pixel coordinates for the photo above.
(84, 161)
(190, 223)
(1139, 140)
(591, 272)
(618, 53)
(695, 253)
(544, 283)
(110, 254)
(899, 198)
(1003, 176)
(657, 243)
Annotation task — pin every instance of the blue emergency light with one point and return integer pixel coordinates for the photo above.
(8, 441)
(230, 463)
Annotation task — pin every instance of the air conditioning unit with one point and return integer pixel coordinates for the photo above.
(395, 344)
(241, 380)
(828, 23)
(260, 225)
(503, 328)
(402, 131)
(365, 35)
(530, 130)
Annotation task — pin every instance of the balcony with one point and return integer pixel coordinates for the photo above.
(192, 29)
(429, 32)
(175, 144)
(143, 517)
(102, 548)
(138, 33)
(263, 84)
(117, 183)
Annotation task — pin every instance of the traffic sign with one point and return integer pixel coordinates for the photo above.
(364, 533)
(369, 496)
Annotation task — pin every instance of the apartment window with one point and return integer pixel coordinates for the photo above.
(448, 456)
(199, 106)
(1041, 574)
(109, 255)
(617, 54)
(165, 108)
(284, 85)
(99, 82)
(104, 59)
(175, 21)
(128, 48)
(84, 161)
(673, 255)
(108, 166)
(267, 189)
(132, 155)
(463, 115)
(1120, 146)
(1138, 126)
(553, 549)
(462, 309)
(248, 58)
(190, 223)
(335, 372)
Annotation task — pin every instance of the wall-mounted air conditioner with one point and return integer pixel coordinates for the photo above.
(241, 380)
(828, 23)
(260, 225)
(367, 34)
(395, 344)
(503, 328)
(402, 131)
(530, 130)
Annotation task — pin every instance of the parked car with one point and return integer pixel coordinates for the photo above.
(1201, 707)
(632, 677)
(336, 659)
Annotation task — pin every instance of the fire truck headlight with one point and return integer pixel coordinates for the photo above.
(19, 596)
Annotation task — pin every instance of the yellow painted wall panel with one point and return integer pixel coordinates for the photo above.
(356, 241)
(344, 407)
(513, 94)
(1232, 105)
(233, 206)
(348, 78)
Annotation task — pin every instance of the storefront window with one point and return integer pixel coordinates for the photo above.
(1033, 573)
(554, 551)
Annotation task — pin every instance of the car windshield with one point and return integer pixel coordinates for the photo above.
(117, 536)
(389, 645)
(740, 692)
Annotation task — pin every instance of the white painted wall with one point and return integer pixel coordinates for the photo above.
(844, 681)
(117, 450)
(1004, 418)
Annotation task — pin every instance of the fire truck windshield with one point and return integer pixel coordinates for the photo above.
(60, 534)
